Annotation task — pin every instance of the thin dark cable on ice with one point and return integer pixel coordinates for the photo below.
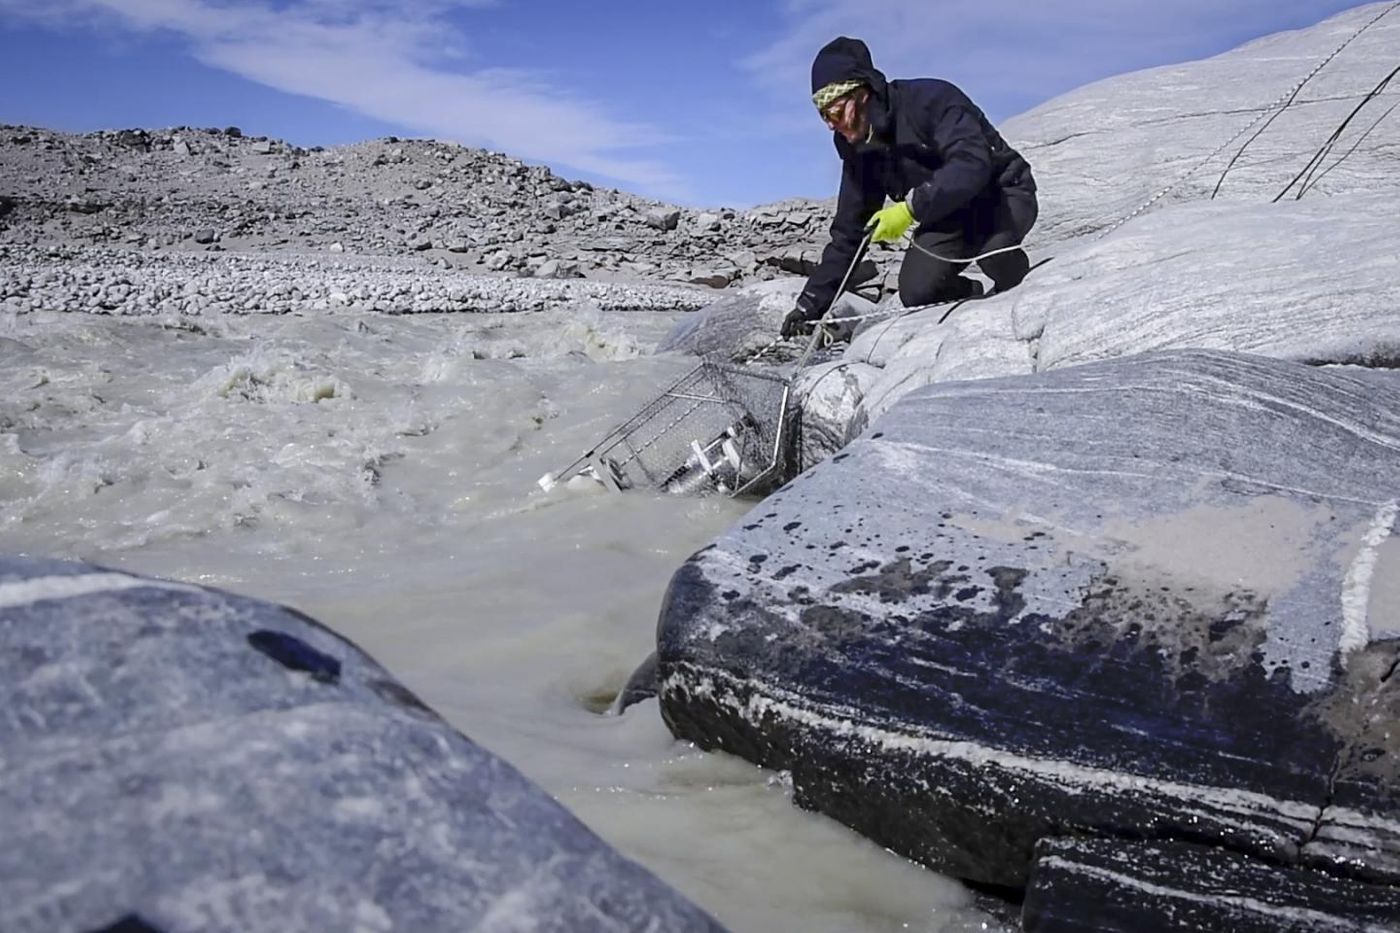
(1354, 146)
(1321, 153)
(1294, 95)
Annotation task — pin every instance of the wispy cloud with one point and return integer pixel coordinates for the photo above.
(1021, 50)
(404, 62)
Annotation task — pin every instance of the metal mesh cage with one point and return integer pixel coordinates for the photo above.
(721, 427)
(717, 428)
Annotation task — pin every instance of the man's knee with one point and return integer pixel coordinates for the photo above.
(1006, 270)
(924, 278)
(925, 283)
(951, 287)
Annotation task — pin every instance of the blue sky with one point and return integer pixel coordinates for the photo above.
(702, 103)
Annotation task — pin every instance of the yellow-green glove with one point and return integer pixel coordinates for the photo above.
(890, 223)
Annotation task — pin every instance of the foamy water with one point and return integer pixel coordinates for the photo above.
(379, 473)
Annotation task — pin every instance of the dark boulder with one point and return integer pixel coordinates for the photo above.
(177, 758)
(1150, 598)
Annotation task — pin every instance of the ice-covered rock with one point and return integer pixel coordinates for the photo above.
(1151, 597)
(1313, 281)
(829, 397)
(1105, 150)
(178, 758)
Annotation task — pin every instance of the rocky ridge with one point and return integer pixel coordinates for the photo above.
(212, 190)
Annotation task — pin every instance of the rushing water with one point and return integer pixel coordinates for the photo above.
(379, 473)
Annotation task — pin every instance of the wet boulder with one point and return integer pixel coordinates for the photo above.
(827, 404)
(1080, 884)
(1146, 598)
(178, 758)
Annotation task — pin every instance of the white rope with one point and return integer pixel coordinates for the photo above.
(970, 259)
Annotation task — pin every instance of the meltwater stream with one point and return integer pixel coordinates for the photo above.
(379, 473)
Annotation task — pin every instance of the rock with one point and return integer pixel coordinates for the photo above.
(262, 147)
(205, 236)
(1095, 884)
(796, 260)
(133, 139)
(85, 205)
(608, 244)
(174, 753)
(337, 247)
(663, 218)
(745, 260)
(233, 132)
(729, 327)
(641, 685)
(1142, 598)
(714, 277)
(181, 149)
(827, 399)
(556, 269)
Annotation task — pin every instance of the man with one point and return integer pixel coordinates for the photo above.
(930, 149)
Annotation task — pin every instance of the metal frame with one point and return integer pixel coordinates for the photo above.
(612, 472)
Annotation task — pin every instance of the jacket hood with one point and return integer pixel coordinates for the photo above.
(846, 59)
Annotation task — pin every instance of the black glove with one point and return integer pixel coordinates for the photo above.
(797, 324)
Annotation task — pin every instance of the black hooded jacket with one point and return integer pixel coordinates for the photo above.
(930, 146)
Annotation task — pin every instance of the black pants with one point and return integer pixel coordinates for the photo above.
(1000, 218)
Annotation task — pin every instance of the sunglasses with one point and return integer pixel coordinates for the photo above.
(835, 111)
